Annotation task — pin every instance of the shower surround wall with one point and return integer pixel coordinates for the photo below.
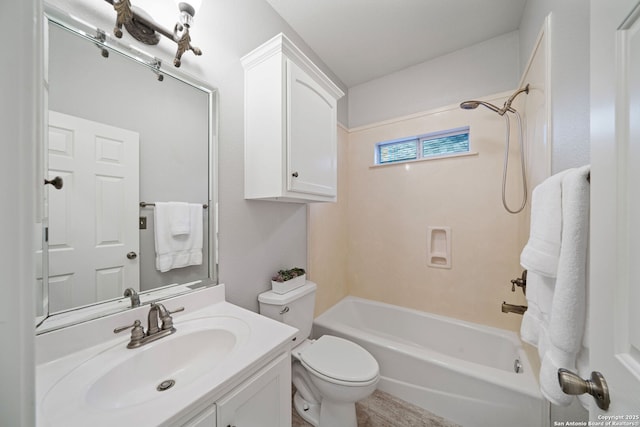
(328, 237)
(389, 209)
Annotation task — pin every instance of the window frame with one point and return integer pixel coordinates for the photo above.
(419, 141)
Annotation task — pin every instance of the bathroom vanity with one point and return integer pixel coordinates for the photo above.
(224, 366)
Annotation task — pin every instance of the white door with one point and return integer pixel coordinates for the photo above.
(93, 218)
(614, 337)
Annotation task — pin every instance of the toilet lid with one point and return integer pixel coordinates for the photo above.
(340, 359)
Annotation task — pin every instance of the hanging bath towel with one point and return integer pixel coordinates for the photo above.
(182, 249)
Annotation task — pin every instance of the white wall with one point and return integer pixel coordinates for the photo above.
(480, 70)
(569, 74)
(256, 238)
(21, 74)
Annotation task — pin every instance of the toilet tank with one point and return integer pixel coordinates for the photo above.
(295, 308)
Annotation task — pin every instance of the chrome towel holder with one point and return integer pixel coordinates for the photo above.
(146, 204)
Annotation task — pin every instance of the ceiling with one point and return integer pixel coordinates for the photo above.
(360, 40)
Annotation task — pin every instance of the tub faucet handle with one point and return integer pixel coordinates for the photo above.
(521, 282)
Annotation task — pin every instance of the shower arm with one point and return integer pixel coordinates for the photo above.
(507, 105)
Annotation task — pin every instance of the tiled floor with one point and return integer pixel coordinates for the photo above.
(384, 410)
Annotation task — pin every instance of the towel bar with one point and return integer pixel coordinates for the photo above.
(145, 204)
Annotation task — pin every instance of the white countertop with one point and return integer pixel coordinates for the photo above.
(61, 352)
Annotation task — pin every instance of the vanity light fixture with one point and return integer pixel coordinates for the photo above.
(143, 28)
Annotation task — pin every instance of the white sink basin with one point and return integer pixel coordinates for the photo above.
(182, 359)
(118, 377)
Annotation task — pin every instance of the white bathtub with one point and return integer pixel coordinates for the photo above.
(459, 370)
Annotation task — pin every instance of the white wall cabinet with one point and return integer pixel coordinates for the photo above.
(264, 400)
(290, 126)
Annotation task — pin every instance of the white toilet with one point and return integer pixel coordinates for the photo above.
(331, 374)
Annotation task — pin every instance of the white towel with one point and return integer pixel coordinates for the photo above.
(556, 323)
(182, 250)
(568, 309)
(539, 297)
(540, 256)
(179, 216)
(542, 251)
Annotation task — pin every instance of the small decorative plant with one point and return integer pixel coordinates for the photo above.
(285, 275)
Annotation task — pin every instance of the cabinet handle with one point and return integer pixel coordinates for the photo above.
(295, 175)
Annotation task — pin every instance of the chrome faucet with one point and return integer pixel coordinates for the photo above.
(159, 312)
(510, 308)
(154, 332)
(135, 298)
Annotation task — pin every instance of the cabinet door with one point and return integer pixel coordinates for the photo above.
(311, 135)
(264, 400)
(206, 418)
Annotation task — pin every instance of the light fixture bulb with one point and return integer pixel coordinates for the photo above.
(188, 10)
(189, 6)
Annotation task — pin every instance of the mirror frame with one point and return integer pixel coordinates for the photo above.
(54, 16)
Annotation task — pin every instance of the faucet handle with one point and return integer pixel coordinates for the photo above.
(137, 332)
(165, 316)
(177, 310)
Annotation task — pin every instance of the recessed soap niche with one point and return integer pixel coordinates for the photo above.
(439, 247)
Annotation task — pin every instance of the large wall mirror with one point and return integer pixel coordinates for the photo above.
(124, 134)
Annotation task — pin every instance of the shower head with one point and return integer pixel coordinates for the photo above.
(471, 105)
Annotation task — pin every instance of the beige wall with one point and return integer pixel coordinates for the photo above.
(391, 207)
(328, 238)
(373, 242)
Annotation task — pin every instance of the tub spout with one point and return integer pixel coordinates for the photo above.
(510, 308)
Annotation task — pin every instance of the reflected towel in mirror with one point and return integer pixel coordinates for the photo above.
(177, 250)
(179, 217)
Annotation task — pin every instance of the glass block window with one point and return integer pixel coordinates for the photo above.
(436, 144)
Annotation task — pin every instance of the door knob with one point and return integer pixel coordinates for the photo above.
(132, 255)
(596, 386)
(56, 182)
(295, 174)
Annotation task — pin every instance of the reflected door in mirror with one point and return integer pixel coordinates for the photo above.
(93, 219)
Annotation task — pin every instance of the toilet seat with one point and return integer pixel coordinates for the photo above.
(340, 361)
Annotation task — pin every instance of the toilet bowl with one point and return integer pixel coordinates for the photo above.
(330, 374)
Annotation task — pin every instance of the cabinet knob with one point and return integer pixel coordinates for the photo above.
(295, 174)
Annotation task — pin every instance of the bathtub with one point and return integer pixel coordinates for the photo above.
(461, 371)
